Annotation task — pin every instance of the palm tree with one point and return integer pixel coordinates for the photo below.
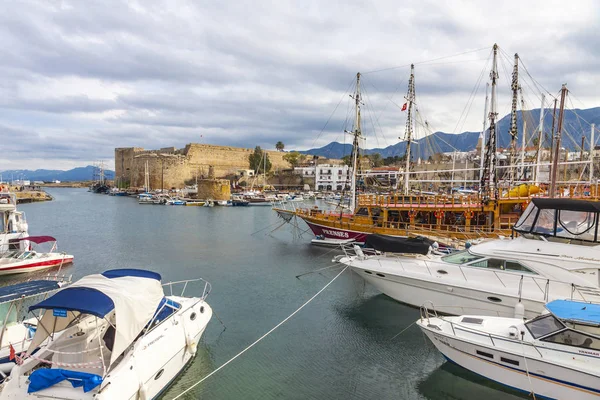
(279, 146)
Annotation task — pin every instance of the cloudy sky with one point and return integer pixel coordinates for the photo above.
(79, 78)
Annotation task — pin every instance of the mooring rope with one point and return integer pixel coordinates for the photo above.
(260, 338)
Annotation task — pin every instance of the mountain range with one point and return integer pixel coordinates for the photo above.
(47, 175)
(576, 124)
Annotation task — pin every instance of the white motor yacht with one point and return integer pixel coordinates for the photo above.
(555, 355)
(13, 224)
(556, 256)
(113, 335)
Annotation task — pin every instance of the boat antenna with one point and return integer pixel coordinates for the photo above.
(561, 115)
(410, 99)
(513, 130)
(489, 179)
(355, 144)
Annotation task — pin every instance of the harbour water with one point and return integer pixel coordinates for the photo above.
(340, 346)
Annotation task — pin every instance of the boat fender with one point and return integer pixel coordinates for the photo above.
(142, 392)
(519, 310)
(359, 252)
(191, 345)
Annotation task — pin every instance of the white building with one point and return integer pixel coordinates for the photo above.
(327, 177)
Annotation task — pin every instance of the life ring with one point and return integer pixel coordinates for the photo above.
(469, 214)
(412, 213)
(439, 214)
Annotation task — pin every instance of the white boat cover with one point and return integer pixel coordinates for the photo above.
(135, 302)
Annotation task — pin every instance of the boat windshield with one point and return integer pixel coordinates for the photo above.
(563, 219)
(461, 257)
(544, 326)
(570, 337)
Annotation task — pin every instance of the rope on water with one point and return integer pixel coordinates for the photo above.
(402, 331)
(260, 338)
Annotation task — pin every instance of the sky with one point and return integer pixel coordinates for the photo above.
(79, 78)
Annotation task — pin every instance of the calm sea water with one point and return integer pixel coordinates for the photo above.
(338, 347)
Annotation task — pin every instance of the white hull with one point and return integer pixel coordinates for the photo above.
(448, 299)
(547, 379)
(40, 262)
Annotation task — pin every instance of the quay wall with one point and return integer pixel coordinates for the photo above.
(172, 168)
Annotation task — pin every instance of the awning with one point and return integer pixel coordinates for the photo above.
(575, 311)
(82, 299)
(26, 289)
(133, 295)
(566, 204)
(38, 239)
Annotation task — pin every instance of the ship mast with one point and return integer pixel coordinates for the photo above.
(482, 135)
(410, 98)
(540, 140)
(513, 118)
(489, 174)
(561, 115)
(355, 144)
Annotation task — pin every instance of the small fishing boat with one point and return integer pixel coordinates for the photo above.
(30, 260)
(239, 202)
(555, 355)
(115, 336)
(195, 203)
(326, 242)
(223, 203)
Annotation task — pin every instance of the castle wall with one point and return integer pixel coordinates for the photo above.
(171, 168)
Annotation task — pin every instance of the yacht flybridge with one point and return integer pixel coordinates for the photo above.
(13, 225)
(556, 256)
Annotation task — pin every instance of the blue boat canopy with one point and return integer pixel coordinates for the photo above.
(575, 311)
(132, 295)
(26, 289)
(82, 299)
(139, 273)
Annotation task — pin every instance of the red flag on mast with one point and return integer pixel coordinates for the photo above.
(404, 107)
(12, 353)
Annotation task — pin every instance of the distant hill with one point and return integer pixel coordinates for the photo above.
(576, 124)
(75, 174)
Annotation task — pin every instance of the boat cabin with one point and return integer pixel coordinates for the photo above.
(561, 220)
(570, 323)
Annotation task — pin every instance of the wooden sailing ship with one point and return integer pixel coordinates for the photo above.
(491, 212)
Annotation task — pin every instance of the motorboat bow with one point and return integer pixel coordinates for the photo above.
(555, 355)
(556, 256)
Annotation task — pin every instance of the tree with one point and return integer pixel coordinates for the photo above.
(376, 160)
(347, 160)
(302, 158)
(257, 161)
(293, 158)
(279, 146)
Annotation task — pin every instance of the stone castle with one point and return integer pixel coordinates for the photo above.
(173, 168)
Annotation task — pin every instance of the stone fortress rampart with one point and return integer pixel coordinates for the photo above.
(172, 168)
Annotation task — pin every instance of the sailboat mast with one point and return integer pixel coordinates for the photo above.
(540, 140)
(410, 98)
(561, 115)
(355, 144)
(490, 156)
(513, 117)
(482, 135)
